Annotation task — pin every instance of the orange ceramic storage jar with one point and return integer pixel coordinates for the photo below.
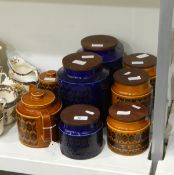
(48, 80)
(132, 85)
(128, 129)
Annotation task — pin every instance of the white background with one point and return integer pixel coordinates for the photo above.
(43, 31)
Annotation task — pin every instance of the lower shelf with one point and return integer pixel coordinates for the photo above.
(166, 166)
(15, 157)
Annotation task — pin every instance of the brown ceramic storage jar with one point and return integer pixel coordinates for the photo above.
(48, 80)
(132, 85)
(128, 129)
(37, 116)
(147, 62)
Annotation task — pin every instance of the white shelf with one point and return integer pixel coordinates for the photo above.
(15, 157)
(166, 166)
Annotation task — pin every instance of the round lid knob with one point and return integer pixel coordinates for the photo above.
(51, 73)
(38, 98)
(82, 61)
(140, 60)
(131, 76)
(37, 94)
(80, 115)
(48, 76)
(128, 112)
(99, 42)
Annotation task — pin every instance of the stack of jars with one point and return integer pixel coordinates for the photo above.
(95, 92)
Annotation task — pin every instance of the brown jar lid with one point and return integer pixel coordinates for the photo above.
(99, 42)
(131, 76)
(128, 112)
(48, 77)
(82, 61)
(140, 60)
(38, 98)
(80, 115)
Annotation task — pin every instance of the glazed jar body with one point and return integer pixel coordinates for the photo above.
(47, 80)
(81, 142)
(37, 127)
(92, 90)
(140, 94)
(152, 75)
(128, 138)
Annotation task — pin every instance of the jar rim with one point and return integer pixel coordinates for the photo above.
(128, 112)
(99, 42)
(140, 60)
(131, 76)
(80, 115)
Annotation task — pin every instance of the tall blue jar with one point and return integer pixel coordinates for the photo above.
(108, 47)
(82, 80)
(81, 132)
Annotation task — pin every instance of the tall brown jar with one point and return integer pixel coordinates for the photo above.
(147, 62)
(37, 116)
(48, 80)
(132, 85)
(128, 129)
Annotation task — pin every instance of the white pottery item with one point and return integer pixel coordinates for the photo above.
(5, 80)
(22, 72)
(10, 96)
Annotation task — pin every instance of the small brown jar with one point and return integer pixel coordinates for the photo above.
(48, 80)
(37, 116)
(147, 62)
(132, 85)
(128, 129)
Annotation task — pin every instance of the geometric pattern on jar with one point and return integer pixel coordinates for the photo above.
(77, 94)
(126, 150)
(27, 131)
(51, 87)
(145, 100)
(128, 138)
(128, 143)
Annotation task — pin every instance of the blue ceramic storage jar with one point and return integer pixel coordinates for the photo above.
(82, 80)
(108, 47)
(81, 132)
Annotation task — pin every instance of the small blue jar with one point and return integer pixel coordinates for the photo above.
(81, 132)
(82, 80)
(108, 47)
